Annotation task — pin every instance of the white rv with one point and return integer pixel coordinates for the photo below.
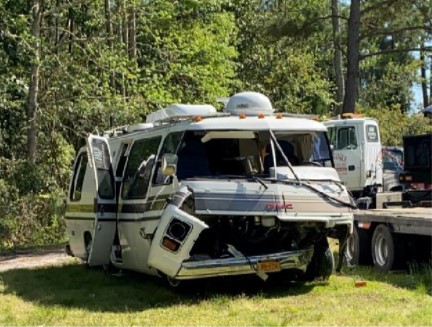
(194, 193)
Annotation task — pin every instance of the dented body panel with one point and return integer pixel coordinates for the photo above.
(218, 196)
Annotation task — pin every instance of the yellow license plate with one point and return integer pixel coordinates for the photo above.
(269, 265)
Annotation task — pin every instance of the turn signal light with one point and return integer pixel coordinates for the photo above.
(242, 116)
(279, 116)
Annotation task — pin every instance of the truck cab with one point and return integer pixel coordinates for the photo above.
(357, 153)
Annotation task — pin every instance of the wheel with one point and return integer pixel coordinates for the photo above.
(186, 286)
(352, 249)
(174, 283)
(357, 250)
(88, 241)
(383, 249)
(322, 264)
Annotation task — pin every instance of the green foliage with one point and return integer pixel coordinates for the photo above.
(31, 206)
(98, 63)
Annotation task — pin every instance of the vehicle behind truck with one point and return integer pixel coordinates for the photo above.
(195, 193)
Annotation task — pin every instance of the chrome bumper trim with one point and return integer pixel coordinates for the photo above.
(243, 265)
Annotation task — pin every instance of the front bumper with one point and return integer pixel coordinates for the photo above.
(298, 259)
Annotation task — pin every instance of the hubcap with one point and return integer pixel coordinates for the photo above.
(381, 250)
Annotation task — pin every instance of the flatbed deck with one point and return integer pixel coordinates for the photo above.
(402, 220)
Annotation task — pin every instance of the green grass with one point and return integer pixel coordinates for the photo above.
(75, 295)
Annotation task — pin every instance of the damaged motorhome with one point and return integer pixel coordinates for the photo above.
(196, 193)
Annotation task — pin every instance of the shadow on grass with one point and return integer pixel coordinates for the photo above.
(76, 286)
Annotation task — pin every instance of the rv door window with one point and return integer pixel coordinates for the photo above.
(141, 152)
(103, 165)
(78, 177)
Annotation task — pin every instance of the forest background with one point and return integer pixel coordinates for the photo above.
(70, 67)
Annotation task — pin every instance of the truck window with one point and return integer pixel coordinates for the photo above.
(372, 133)
(346, 138)
(139, 167)
(78, 177)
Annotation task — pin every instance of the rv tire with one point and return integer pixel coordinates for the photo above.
(322, 264)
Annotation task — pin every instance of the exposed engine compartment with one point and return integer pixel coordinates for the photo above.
(252, 235)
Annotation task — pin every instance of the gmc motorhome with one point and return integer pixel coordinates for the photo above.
(196, 193)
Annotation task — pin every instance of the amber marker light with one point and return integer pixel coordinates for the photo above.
(279, 116)
(242, 116)
(198, 119)
(261, 116)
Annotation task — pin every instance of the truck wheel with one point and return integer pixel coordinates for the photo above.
(357, 250)
(322, 264)
(352, 249)
(383, 249)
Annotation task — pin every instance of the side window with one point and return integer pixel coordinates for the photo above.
(372, 133)
(139, 167)
(78, 178)
(170, 145)
(346, 138)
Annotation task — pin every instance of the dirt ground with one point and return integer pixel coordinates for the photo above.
(35, 259)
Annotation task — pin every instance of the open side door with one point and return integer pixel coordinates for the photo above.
(173, 240)
(105, 201)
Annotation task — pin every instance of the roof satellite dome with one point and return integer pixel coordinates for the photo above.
(249, 103)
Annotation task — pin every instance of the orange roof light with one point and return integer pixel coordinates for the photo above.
(279, 115)
(351, 115)
(242, 116)
(198, 119)
(261, 116)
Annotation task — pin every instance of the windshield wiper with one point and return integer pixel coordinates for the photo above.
(273, 137)
(259, 180)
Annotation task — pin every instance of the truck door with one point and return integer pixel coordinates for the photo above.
(104, 202)
(347, 154)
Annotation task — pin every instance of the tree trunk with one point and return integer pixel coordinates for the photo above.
(337, 58)
(32, 99)
(132, 32)
(423, 77)
(353, 54)
(109, 35)
(430, 81)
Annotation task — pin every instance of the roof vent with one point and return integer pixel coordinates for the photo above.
(138, 127)
(249, 103)
(178, 111)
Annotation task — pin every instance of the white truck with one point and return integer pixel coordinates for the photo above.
(388, 230)
(194, 193)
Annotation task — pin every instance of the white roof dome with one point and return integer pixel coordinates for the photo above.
(249, 103)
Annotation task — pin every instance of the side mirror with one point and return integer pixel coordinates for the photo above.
(169, 164)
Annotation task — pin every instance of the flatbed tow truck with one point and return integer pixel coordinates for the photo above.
(391, 228)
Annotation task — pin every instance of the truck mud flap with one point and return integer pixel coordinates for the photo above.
(173, 240)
